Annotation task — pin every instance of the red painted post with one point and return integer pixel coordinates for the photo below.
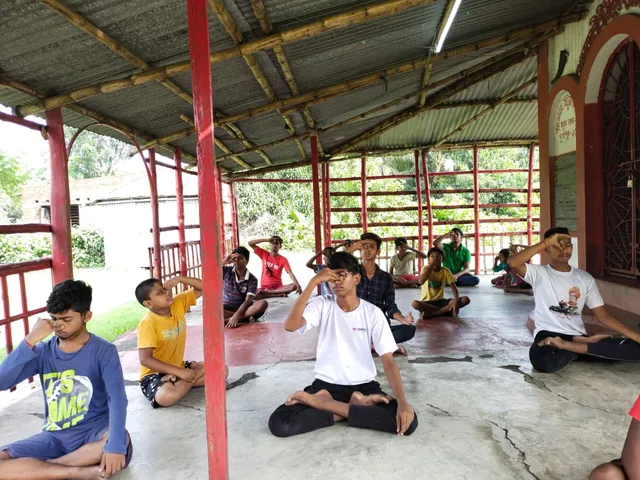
(210, 239)
(323, 201)
(476, 210)
(220, 203)
(235, 226)
(427, 196)
(327, 240)
(155, 215)
(363, 192)
(416, 162)
(62, 268)
(182, 253)
(317, 228)
(530, 197)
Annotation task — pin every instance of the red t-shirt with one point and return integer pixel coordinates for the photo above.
(635, 410)
(272, 269)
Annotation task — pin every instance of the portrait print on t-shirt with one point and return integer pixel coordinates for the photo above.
(570, 306)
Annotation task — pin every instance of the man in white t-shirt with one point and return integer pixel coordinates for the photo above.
(560, 293)
(344, 387)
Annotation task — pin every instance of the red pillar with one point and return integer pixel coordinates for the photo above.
(210, 239)
(220, 203)
(317, 228)
(530, 197)
(427, 196)
(416, 162)
(155, 215)
(476, 209)
(182, 250)
(234, 217)
(62, 268)
(327, 240)
(363, 192)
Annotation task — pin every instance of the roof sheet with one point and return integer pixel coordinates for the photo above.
(44, 51)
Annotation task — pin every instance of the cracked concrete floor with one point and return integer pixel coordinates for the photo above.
(483, 414)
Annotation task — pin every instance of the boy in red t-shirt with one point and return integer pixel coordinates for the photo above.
(272, 266)
(628, 466)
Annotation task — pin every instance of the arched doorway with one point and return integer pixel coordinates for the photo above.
(620, 107)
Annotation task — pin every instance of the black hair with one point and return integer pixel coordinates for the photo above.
(435, 250)
(400, 241)
(329, 251)
(344, 261)
(458, 231)
(277, 238)
(552, 231)
(372, 236)
(242, 251)
(504, 252)
(143, 290)
(70, 295)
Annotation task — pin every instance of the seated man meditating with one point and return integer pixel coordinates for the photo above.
(240, 288)
(560, 293)
(376, 286)
(628, 466)
(272, 266)
(344, 387)
(433, 279)
(401, 264)
(457, 258)
(85, 410)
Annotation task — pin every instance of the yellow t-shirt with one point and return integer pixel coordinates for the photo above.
(433, 288)
(166, 335)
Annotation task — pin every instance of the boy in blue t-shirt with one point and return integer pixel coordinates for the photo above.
(84, 434)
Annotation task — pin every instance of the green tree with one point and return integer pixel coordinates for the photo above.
(12, 177)
(94, 155)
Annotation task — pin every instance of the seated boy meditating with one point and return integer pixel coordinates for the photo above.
(560, 293)
(401, 264)
(345, 386)
(239, 291)
(628, 466)
(433, 279)
(272, 266)
(84, 434)
(165, 377)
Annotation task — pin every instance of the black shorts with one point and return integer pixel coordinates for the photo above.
(443, 302)
(151, 383)
(231, 308)
(342, 393)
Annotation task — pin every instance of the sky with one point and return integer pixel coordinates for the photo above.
(23, 143)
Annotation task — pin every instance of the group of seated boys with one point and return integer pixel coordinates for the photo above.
(84, 433)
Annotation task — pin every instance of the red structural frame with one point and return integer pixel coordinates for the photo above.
(182, 251)
(363, 192)
(416, 160)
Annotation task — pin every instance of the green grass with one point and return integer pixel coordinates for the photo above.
(117, 321)
(112, 324)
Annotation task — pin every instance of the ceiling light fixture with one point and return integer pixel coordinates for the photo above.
(447, 25)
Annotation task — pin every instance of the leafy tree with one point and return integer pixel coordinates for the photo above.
(94, 155)
(12, 177)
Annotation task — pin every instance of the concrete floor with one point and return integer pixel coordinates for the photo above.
(483, 413)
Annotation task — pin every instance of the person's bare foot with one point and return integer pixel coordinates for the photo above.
(89, 473)
(358, 398)
(401, 351)
(308, 399)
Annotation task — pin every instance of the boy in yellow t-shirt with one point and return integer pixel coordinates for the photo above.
(165, 377)
(433, 279)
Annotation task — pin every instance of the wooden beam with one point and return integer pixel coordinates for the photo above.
(86, 26)
(438, 98)
(226, 19)
(487, 110)
(261, 14)
(332, 22)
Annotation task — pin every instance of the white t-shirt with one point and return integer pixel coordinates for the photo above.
(403, 266)
(343, 355)
(560, 298)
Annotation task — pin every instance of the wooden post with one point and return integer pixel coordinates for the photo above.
(62, 261)
(180, 205)
(220, 204)
(476, 210)
(317, 228)
(416, 163)
(530, 196)
(155, 215)
(363, 192)
(427, 196)
(210, 235)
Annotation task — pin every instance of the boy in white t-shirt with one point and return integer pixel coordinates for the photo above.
(560, 293)
(344, 387)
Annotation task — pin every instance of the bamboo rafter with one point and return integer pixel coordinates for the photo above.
(438, 98)
(332, 22)
(230, 25)
(487, 110)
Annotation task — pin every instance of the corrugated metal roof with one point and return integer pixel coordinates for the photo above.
(44, 51)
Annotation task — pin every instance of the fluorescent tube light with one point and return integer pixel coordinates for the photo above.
(447, 25)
